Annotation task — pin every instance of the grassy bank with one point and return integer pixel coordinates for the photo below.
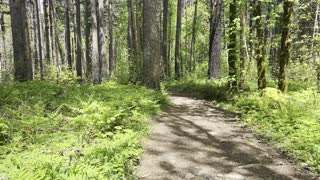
(290, 121)
(50, 131)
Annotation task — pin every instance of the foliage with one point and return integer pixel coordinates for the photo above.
(207, 89)
(50, 131)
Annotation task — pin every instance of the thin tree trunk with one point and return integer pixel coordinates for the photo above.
(165, 36)
(67, 34)
(132, 44)
(79, 40)
(39, 40)
(177, 58)
(46, 31)
(111, 43)
(35, 42)
(193, 38)
(243, 48)
(88, 39)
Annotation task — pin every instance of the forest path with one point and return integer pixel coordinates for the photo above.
(195, 140)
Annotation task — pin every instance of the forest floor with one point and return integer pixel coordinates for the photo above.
(195, 140)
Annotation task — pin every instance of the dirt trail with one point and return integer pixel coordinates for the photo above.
(195, 140)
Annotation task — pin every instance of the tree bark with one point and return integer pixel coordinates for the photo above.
(165, 37)
(21, 41)
(260, 57)
(232, 57)
(151, 43)
(111, 44)
(102, 41)
(79, 41)
(193, 38)
(39, 39)
(97, 64)
(67, 34)
(46, 31)
(285, 45)
(215, 40)
(177, 58)
(88, 39)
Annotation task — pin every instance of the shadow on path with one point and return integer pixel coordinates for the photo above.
(195, 140)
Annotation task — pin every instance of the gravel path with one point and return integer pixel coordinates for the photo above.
(195, 140)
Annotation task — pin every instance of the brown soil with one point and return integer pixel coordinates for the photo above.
(195, 140)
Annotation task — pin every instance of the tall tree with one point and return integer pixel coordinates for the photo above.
(111, 44)
(88, 39)
(21, 41)
(232, 57)
(79, 40)
(46, 30)
(67, 33)
(260, 57)
(285, 45)
(215, 39)
(193, 38)
(97, 64)
(39, 39)
(102, 40)
(151, 43)
(177, 58)
(165, 36)
(132, 44)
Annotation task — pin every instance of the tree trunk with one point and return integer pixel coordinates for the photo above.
(215, 40)
(88, 39)
(79, 40)
(243, 48)
(46, 31)
(232, 58)
(285, 45)
(97, 64)
(260, 57)
(177, 58)
(165, 37)
(193, 38)
(21, 41)
(151, 43)
(35, 42)
(111, 44)
(102, 41)
(39, 39)
(132, 44)
(67, 34)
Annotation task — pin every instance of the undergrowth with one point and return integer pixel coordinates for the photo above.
(50, 131)
(290, 121)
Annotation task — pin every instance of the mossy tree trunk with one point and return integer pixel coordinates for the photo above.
(285, 45)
